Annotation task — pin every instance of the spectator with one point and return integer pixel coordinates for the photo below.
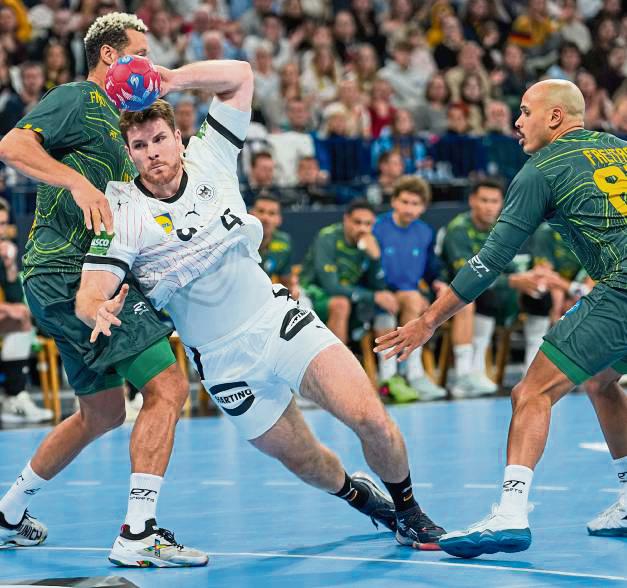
(572, 29)
(605, 37)
(9, 38)
(185, 118)
(311, 188)
(319, 81)
(568, 64)
(292, 16)
(516, 78)
(266, 77)
(214, 45)
(468, 62)
(431, 116)
(357, 115)
(401, 138)
(408, 258)
(380, 109)
(234, 41)
(164, 50)
(201, 23)
(276, 246)
(261, 178)
(446, 52)
(421, 54)
(61, 32)
(397, 19)
(408, 83)
(18, 104)
(252, 19)
(57, 69)
(271, 35)
(366, 67)
(147, 9)
(17, 335)
(611, 9)
(41, 16)
(345, 36)
(6, 88)
(275, 108)
(612, 77)
(619, 118)
(391, 168)
(598, 105)
(477, 14)
(367, 26)
(342, 274)
(473, 97)
(473, 327)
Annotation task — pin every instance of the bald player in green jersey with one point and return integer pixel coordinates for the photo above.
(576, 180)
(71, 143)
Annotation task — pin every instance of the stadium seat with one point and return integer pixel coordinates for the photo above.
(49, 378)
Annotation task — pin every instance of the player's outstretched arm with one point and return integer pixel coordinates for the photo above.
(231, 81)
(95, 304)
(22, 150)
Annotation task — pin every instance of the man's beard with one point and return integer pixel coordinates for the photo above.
(162, 175)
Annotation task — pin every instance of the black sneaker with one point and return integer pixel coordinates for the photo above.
(416, 529)
(28, 532)
(379, 507)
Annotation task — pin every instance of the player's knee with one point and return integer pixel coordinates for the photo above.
(339, 306)
(102, 421)
(375, 425)
(597, 387)
(412, 302)
(523, 393)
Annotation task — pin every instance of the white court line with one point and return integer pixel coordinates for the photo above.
(218, 483)
(480, 486)
(84, 483)
(552, 488)
(422, 485)
(611, 490)
(281, 483)
(414, 562)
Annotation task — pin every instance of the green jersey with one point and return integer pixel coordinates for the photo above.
(578, 184)
(79, 127)
(276, 258)
(341, 269)
(548, 247)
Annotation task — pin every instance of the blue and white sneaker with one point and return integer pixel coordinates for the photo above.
(497, 532)
(612, 522)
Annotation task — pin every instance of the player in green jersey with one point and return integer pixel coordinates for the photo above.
(71, 143)
(577, 180)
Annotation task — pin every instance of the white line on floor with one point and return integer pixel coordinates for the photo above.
(281, 483)
(422, 485)
(611, 490)
(218, 483)
(552, 488)
(480, 486)
(478, 566)
(84, 483)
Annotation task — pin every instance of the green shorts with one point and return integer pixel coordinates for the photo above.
(137, 350)
(319, 300)
(591, 336)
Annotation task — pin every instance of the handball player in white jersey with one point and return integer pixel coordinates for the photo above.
(182, 231)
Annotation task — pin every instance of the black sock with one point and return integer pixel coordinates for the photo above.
(402, 494)
(352, 493)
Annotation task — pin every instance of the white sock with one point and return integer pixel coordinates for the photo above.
(415, 369)
(463, 359)
(535, 328)
(516, 486)
(142, 500)
(621, 471)
(483, 328)
(16, 500)
(387, 367)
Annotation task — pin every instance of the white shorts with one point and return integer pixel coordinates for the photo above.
(251, 373)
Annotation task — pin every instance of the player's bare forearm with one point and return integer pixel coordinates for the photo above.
(447, 305)
(97, 287)
(229, 79)
(22, 150)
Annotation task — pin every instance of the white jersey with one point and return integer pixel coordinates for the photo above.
(196, 253)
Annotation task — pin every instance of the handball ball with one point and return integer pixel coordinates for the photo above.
(133, 83)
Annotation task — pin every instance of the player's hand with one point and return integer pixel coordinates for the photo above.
(14, 318)
(405, 339)
(439, 287)
(369, 244)
(166, 80)
(95, 207)
(8, 253)
(107, 314)
(387, 301)
(529, 283)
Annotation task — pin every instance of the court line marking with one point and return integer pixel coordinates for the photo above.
(83, 483)
(281, 483)
(481, 486)
(422, 485)
(218, 483)
(552, 488)
(368, 559)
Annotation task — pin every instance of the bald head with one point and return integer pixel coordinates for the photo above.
(563, 94)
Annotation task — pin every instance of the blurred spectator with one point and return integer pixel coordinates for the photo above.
(605, 37)
(345, 36)
(23, 29)
(41, 16)
(390, 168)
(234, 41)
(342, 274)
(5, 79)
(407, 258)
(213, 42)
(9, 40)
(271, 36)
(366, 67)
(266, 77)
(610, 9)
(469, 62)
(261, 178)
(18, 104)
(397, 19)
(431, 116)
(401, 137)
(380, 109)
(421, 54)
(619, 118)
(185, 117)
(62, 32)
(164, 49)
(516, 78)
(407, 82)
(275, 109)
(472, 95)
(252, 19)
(464, 154)
(445, 53)
(292, 16)
(57, 68)
(320, 79)
(311, 187)
(357, 115)
(612, 77)
(598, 105)
(146, 10)
(572, 29)
(201, 23)
(367, 26)
(568, 65)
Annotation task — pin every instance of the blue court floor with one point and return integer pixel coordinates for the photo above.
(263, 527)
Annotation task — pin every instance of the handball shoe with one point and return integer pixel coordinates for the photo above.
(379, 507)
(28, 532)
(612, 522)
(416, 529)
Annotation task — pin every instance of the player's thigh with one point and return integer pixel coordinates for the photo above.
(591, 336)
(103, 411)
(543, 378)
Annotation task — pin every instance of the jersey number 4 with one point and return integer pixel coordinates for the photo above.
(229, 220)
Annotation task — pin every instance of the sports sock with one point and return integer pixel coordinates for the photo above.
(353, 493)
(142, 500)
(483, 328)
(16, 500)
(463, 359)
(415, 369)
(621, 471)
(535, 328)
(516, 486)
(402, 494)
(387, 367)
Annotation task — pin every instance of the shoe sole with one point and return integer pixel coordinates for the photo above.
(366, 479)
(475, 544)
(608, 532)
(416, 544)
(123, 561)
(12, 543)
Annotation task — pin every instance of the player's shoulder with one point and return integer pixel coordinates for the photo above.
(281, 240)
(72, 91)
(124, 193)
(461, 222)
(331, 231)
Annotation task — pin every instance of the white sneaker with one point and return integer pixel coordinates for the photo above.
(612, 522)
(28, 532)
(463, 387)
(426, 389)
(497, 532)
(22, 409)
(473, 385)
(133, 407)
(154, 547)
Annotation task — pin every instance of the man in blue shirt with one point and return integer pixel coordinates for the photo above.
(408, 258)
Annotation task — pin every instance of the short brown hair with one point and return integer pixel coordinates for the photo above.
(159, 109)
(415, 185)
